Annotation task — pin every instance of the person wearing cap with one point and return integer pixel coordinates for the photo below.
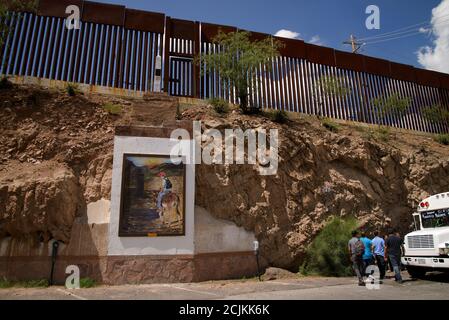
(166, 188)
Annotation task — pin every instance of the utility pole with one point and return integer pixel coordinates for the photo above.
(354, 44)
(360, 86)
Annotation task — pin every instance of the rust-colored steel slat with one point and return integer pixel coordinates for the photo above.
(129, 58)
(369, 94)
(427, 78)
(95, 53)
(182, 29)
(145, 76)
(22, 55)
(57, 8)
(67, 53)
(44, 49)
(210, 30)
(413, 109)
(47, 66)
(444, 80)
(103, 13)
(53, 58)
(108, 61)
(402, 72)
(39, 42)
(320, 55)
(144, 21)
(83, 63)
(7, 42)
(377, 66)
(78, 52)
(349, 61)
(196, 67)
(120, 61)
(292, 48)
(101, 50)
(17, 31)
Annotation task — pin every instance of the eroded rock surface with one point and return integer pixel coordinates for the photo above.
(56, 158)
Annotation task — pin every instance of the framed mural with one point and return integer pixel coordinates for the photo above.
(152, 196)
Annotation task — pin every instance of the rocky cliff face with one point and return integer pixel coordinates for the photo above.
(321, 174)
(56, 157)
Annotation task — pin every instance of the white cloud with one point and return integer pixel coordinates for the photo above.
(283, 33)
(316, 40)
(436, 57)
(425, 30)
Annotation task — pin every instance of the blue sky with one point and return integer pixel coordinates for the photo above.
(327, 22)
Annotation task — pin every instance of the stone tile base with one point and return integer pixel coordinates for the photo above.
(117, 270)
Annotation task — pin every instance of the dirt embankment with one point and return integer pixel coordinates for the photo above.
(321, 174)
(56, 157)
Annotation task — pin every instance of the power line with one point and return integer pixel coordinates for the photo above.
(409, 34)
(443, 22)
(394, 32)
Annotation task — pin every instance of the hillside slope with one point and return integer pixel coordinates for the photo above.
(56, 157)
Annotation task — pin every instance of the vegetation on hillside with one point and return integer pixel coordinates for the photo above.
(327, 255)
(5, 283)
(387, 106)
(443, 139)
(329, 87)
(436, 114)
(239, 62)
(220, 106)
(114, 109)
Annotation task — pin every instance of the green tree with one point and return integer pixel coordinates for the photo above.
(393, 104)
(239, 60)
(329, 87)
(6, 11)
(327, 255)
(436, 114)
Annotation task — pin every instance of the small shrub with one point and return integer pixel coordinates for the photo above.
(87, 283)
(327, 255)
(114, 109)
(443, 139)
(72, 89)
(220, 106)
(178, 112)
(280, 116)
(4, 283)
(368, 135)
(383, 133)
(330, 125)
(43, 283)
(5, 84)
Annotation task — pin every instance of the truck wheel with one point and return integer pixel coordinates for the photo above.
(416, 273)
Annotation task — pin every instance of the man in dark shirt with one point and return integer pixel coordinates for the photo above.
(393, 252)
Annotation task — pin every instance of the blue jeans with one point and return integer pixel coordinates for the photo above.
(366, 263)
(396, 263)
(160, 196)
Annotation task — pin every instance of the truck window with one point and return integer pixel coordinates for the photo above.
(435, 218)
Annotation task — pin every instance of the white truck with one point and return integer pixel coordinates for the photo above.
(427, 248)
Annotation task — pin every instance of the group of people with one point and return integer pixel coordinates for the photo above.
(381, 251)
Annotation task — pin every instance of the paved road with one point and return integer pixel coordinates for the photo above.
(434, 287)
